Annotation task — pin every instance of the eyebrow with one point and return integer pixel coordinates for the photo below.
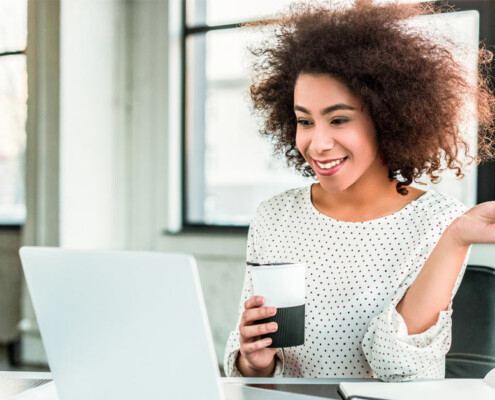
(327, 110)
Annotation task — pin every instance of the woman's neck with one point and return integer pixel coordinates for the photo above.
(370, 198)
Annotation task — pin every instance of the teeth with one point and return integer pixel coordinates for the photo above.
(330, 165)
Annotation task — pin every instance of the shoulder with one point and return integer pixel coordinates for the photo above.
(289, 199)
(441, 206)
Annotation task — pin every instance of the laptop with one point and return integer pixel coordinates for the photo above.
(126, 325)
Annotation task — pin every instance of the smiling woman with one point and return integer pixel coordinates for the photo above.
(366, 105)
(405, 79)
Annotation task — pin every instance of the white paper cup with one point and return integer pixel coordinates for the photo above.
(282, 285)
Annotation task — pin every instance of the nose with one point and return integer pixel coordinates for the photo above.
(321, 141)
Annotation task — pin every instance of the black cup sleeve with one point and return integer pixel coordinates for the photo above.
(290, 331)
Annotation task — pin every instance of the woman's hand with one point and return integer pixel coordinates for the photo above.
(476, 225)
(255, 358)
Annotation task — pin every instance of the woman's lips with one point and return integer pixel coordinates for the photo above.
(329, 171)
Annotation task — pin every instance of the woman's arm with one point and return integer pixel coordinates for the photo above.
(431, 291)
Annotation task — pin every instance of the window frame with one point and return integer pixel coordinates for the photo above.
(188, 31)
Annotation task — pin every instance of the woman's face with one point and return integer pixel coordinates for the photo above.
(334, 134)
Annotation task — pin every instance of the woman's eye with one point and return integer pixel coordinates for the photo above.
(303, 122)
(339, 121)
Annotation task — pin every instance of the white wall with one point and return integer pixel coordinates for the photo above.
(93, 197)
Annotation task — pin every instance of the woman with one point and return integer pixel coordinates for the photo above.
(366, 105)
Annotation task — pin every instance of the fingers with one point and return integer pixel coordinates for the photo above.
(251, 331)
(255, 301)
(255, 314)
(248, 348)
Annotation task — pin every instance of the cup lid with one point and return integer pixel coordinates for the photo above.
(275, 265)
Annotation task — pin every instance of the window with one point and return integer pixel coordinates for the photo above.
(229, 168)
(13, 98)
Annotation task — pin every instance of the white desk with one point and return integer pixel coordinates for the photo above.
(12, 383)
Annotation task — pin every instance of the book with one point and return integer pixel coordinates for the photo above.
(452, 389)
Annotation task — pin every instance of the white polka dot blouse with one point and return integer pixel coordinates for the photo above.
(357, 272)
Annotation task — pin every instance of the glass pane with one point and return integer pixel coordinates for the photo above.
(13, 25)
(218, 12)
(230, 168)
(13, 97)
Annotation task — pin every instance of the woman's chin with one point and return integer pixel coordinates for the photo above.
(332, 187)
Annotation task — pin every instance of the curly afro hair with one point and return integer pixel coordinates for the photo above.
(411, 84)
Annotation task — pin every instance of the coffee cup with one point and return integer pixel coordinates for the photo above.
(282, 285)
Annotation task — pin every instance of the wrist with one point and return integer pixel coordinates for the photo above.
(454, 235)
(248, 370)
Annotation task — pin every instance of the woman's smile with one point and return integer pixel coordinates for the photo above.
(329, 168)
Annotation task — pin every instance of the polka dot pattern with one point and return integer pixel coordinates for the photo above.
(357, 272)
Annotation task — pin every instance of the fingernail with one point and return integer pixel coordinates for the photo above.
(268, 341)
(273, 326)
(260, 299)
(273, 311)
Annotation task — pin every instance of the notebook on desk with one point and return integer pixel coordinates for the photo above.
(125, 326)
(452, 389)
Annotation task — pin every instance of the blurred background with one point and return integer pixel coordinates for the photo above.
(126, 124)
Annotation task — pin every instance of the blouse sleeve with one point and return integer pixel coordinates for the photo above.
(232, 348)
(395, 355)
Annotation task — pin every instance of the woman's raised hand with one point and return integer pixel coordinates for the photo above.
(476, 225)
(255, 358)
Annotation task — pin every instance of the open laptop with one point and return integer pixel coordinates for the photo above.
(126, 325)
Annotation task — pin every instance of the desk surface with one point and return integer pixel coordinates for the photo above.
(12, 383)
(321, 387)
